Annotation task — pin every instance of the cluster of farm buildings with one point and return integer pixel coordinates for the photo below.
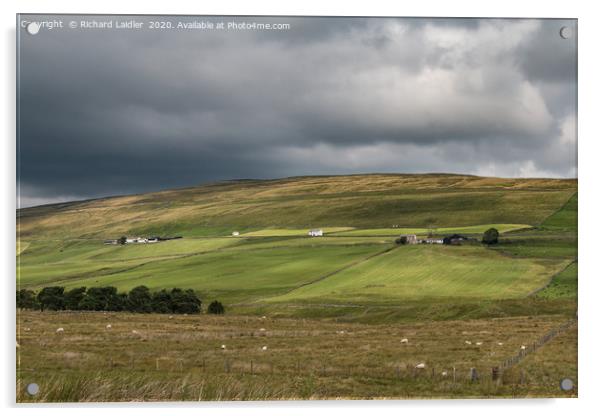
(139, 240)
(455, 239)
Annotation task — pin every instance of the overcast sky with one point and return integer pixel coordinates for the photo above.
(107, 112)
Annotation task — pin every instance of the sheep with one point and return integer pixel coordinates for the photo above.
(500, 343)
(27, 329)
(170, 316)
(263, 317)
(262, 329)
(522, 347)
(109, 326)
(444, 373)
(264, 348)
(468, 342)
(223, 346)
(134, 332)
(479, 343)
(60, 330)
(404, 341)
(421, 365)
(18, 346)
(340, 332)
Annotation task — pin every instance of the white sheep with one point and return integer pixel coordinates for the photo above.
(340, 332)
(27, 329)
(522, 347)
(421, 365)
(444, 373)
(468, 342)
(404, 341)
(223, 346)
(134, 332)
(170, 316)
(479, 343)
(263, 317)
(262, 329)
(264, 348)
(500, 343)
(60, 330)
(109, 326)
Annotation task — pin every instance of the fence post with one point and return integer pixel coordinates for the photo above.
(495, 373)
(454, 374)
(473, 374)
(157, 364)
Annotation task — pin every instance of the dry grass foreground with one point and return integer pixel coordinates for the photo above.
(163, 358)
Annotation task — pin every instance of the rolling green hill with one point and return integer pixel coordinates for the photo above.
(274, 262)
(360, 201)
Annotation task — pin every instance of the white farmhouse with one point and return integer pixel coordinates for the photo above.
(315, 233)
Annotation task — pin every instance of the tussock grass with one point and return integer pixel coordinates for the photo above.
(181, 358)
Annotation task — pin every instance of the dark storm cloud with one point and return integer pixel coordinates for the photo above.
(106, 112)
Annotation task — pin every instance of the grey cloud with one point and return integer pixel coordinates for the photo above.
(109, 112)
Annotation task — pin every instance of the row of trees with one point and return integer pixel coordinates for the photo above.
(140, 299)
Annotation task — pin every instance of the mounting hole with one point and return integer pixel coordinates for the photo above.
(566, 384)
(33, 28)
(32, 389)
(566, 32)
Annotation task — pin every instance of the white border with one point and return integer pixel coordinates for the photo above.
(589, 199)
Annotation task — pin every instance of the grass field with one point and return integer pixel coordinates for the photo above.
(336, 306)
(181, 358)
(414, 272)
(360, 201)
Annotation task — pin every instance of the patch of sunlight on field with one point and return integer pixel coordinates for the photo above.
(167, 248)
(472, 229)
(237, 275)
(284, 232)
(47, 262)
(414, 272)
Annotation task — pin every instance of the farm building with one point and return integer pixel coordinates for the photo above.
(235, 233)
(315, 233)
(409, 238)
(432, 241)
(455, 239)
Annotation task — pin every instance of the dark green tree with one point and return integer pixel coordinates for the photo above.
(74, 297)
(161, 302)
(185, 301)
(52, 298)
(139, 300)
(402, 240)
(216, 308)
(26, 299)
(490, 236)
(121, 240)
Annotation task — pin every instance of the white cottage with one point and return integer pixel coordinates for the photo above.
(315, 233)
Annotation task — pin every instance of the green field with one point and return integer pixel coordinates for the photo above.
(278, 262)
(307, 291)
(414, 272)
(470, 229)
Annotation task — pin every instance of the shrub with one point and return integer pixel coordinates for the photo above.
(26, 299)
(216, 308)
(74, 297)
(52, 298)
(490, 236)
(139, 300)
(185, 301)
